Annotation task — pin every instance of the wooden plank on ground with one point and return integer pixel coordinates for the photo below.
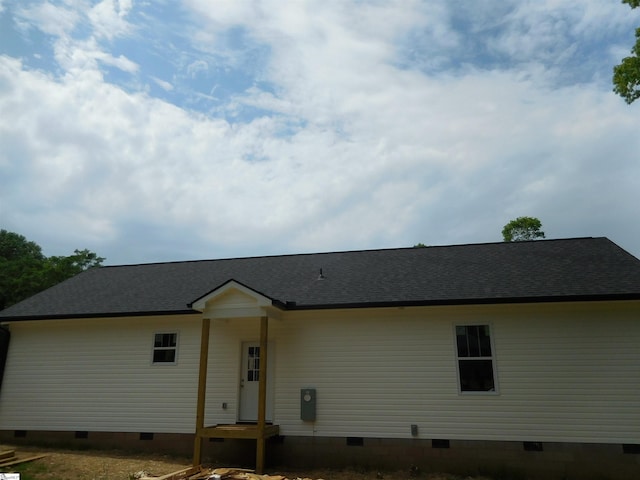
(21, 460)
(7, 454)
(233, 472)
(178, 475)
(201, 473)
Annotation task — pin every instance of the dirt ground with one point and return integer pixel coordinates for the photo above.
(92, 464)
(112, 465)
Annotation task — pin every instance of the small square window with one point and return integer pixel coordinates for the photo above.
(165, 347)
(475, 358)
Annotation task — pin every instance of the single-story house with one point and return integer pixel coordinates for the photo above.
(494, 357)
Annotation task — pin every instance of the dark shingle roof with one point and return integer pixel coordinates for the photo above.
(544, 270)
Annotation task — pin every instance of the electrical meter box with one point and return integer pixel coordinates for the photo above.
(308, 404)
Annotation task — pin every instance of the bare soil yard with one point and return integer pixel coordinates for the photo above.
(114, 465)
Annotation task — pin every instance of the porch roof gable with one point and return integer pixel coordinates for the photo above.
(233, 300)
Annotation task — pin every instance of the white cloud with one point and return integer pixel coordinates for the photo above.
(166, 86)
(196, 67)
(75, 52)
(544, 30)
(76, 56)
(51, 19)
(350, 147)
(108, 18)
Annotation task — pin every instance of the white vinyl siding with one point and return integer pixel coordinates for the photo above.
(96, 375)
(567, 373)
(225, 357)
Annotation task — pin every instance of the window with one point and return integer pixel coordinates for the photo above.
(165, 347)
(253, 364)
(475, 359)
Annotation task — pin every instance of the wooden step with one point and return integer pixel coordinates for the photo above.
(7, 454)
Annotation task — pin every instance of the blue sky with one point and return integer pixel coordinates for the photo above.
(162, 130)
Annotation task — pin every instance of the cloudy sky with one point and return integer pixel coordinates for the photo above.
(162, 130)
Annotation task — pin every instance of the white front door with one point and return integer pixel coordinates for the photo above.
(249, 382)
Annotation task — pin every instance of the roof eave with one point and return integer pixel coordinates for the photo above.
(75, 316)
(468, 301)
(292, 306)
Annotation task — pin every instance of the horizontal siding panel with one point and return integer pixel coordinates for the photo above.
(98, 375)
(377, 376)
(565, 373)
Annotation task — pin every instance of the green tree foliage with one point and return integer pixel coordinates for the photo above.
(25, 271)
(61, 268)
(21, 264)
(626, 76)
(522, 228)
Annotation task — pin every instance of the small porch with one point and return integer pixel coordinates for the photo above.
(226, 303)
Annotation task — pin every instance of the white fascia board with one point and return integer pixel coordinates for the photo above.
(234, 300)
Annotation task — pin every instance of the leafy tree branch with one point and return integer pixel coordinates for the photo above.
(522, 228)
(626, 76)
(25, 271)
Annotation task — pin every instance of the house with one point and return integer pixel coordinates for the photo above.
(504, 357)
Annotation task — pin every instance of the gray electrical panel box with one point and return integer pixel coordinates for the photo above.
(308, 404)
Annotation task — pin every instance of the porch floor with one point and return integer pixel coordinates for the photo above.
(250, 431)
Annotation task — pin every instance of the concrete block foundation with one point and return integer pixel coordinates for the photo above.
(495, 459)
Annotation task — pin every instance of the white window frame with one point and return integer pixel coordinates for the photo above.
(458, 358)
(154, 348)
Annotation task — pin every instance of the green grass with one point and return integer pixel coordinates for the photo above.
(28, 471)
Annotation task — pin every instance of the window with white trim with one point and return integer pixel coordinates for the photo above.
(475, 358)
(165, 347)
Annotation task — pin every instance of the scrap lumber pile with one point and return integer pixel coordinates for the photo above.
(202, 473)
(9, 458)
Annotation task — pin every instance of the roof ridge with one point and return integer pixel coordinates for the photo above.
(334, 252)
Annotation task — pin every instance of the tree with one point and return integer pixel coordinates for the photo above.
(25, 271)
(522, 228)
(14, 246)
(626, 76)
(61, 268)
(21, 264)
